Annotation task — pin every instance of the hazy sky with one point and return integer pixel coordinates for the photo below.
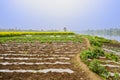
(55, 14)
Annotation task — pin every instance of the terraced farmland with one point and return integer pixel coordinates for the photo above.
(40, 61)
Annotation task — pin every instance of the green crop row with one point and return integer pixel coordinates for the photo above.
(94, 54)
(96, 41)
(42, 38)
(91, 56)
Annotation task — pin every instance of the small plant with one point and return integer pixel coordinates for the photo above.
(105, 75)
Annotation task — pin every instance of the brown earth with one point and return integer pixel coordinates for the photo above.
(81, 72)
(117, 45)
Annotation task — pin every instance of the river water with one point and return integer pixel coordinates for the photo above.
(112, 37)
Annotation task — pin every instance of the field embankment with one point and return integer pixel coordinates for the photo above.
(102, 58)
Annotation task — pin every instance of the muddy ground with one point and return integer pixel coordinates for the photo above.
(26, 56)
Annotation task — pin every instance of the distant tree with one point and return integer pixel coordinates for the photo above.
(42, 30)
(65, 29)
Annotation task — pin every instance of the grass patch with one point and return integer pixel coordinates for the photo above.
(42, 38)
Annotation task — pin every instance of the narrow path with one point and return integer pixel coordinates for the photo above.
(84, 67)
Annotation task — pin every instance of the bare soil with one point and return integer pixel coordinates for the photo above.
(115, 45)
(50, 49)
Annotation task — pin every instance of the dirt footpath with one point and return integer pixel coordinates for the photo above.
(84, 67)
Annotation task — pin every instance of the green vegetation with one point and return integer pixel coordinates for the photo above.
(96, 67)
(116, 76)
(42, 38)
(39, 36)
(92, 53)
(112, 56)
(96, 41)
(91, 56)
